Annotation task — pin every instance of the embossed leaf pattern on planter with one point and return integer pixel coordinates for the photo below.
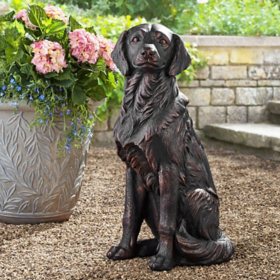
(34, 178)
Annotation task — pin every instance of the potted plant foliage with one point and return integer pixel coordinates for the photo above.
(51, 70)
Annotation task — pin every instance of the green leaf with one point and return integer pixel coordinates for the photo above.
(78, 95)
(112, 80)
(56, 26)
(96, 93)
(7, 17)
(74, 24)
(65, 76)
(64, 83)
(91, 30)
(26, 69)
(37, 15)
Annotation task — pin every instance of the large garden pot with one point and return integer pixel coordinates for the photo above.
(38, 183)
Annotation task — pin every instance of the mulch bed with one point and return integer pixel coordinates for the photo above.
(249, 190)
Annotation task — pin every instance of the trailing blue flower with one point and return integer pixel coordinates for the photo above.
(18, 88)
(4, 87)
(12, 81)
(83, 129)
(68, 148)
(41, 97)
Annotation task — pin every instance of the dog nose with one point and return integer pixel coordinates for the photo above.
(149, 50)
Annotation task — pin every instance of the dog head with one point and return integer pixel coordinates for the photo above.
(150, 47)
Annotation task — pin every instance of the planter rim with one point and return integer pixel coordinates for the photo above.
(232, 41)
(23, 218)
(21, 105)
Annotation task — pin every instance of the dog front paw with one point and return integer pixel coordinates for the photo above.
(160, 263)
(120, 253)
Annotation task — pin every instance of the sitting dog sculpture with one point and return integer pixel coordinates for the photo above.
(168, 181)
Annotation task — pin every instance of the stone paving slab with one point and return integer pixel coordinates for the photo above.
(274, 107)
(261, 135)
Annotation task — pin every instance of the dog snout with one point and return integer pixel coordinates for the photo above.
(149, 50)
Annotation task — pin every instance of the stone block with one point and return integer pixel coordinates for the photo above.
(229, 72)
(252, 135)
(240, 83)
(218, 56)
(272, 57)
(237, 114)
(197, 96)
(222, 96)
(210, 115)
(186, 84)
(253, 96)
(203, 74)
(269, 83)
(265, 72)
(274, 119)
(276, 93)
(212, 83)
(257, 73)
(257, 114)
(193, 114)
(246, 56)
(273, 107)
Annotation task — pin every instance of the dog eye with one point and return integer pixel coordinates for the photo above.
(163, 42)
(135, 39)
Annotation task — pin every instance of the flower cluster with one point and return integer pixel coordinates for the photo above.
(23, 16)
(48, 56)
(56, 13)
(51, 12)
(105, 49)
(58, 67)
(84, 46)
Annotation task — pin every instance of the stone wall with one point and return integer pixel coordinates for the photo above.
(242, 75)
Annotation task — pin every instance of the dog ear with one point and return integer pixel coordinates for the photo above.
(181, 59)
(119, 54)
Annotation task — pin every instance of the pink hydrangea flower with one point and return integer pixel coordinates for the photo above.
(23, 16)
(56, 13)
(105, 50)
(84, 46)
(48, 56)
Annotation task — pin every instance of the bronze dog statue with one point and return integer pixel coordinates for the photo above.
(168, 180)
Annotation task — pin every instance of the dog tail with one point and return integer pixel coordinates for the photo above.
(193, 251)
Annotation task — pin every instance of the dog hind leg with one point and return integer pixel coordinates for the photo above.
(206, 244)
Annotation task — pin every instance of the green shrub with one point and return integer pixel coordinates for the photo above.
(231, 17)
(164, 10)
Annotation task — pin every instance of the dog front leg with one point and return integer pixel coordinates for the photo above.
(164, 259)
(132, 218)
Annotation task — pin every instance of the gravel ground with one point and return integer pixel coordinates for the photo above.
(249, 191)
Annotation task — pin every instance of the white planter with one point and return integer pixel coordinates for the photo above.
(37, 183)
